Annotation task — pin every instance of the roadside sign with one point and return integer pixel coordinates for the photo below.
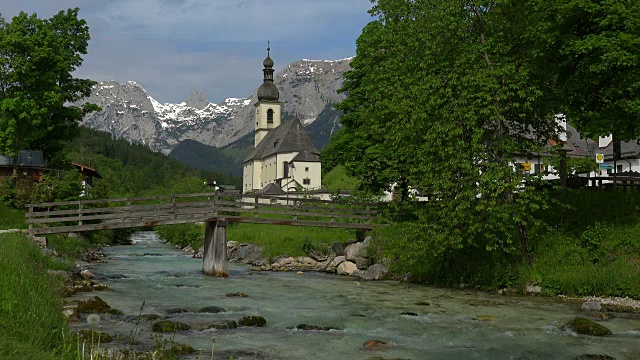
(599, 158)
(526, 166)
(605, 166)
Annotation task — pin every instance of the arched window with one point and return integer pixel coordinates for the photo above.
(270, 116)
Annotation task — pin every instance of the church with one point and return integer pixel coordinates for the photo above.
(284, 158)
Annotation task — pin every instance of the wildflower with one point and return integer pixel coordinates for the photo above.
(93, 320)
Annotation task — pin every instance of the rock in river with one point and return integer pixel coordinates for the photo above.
(166, 326)
(588, 327)
(258, 321)
(211, 309)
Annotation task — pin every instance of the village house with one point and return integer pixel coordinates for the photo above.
(284, 158)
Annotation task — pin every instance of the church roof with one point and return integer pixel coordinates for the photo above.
(286, 138)
(306, 156)
(272, 189)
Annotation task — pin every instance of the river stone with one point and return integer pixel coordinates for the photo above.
(283, 261)
(78, 266)
(375, 345)
(176, 310)
(180, 349)
(238, 294)
(533, 289)
(346, 268)
(167, 326)
(86, 335)
(93, 304)
(306, 261)
(409, 313)
(86, 274)
(219, 324)
(314, 327)
(70, 312)
(591, 306)
(249, 253)
(361, 262)
(211, 309)
(375, 272)
(257, 321)
(337, 248)
(333, 264)
(588, 327)
(594, 357)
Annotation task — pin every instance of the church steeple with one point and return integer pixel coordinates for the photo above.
(268, 106)
(268, 91)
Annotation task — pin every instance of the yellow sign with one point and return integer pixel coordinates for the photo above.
(599, 158)
(526, 166)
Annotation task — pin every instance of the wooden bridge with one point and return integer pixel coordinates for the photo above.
(214, 209)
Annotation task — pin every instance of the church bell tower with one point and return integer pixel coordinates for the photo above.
(268, 105)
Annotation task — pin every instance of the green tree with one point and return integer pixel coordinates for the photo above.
(37, 58)
(441, 97)
(588, 51)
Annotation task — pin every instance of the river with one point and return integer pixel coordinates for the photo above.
(450, 323)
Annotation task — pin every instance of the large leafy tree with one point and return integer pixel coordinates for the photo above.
(442, 95)
(589, 53)
(37, 59)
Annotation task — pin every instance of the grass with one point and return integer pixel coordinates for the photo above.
(11, 218)
(290, 240)
(337, 179)
(31, 321)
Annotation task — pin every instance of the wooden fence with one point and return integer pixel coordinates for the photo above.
(90, 215)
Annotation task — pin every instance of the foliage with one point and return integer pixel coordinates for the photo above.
(440, 97)
(37, 59)
(11, 218)
(182, 234)
(587, 51)
(337, 179)
(61, 186)
(205, 157)
(134, 170)
(31, 323)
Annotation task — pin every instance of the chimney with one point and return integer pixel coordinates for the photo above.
(603, 142)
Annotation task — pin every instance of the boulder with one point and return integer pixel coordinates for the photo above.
(408, 313)
(357, 249)
(78, 266)
(337, 248)
(332, 265)
(257, 321)
(219, 324)
(375, 345)
(375, 272)
(200, 253)
(167, 326)
(591, 306)
(70, 312)
(361, 262)
(314, 327)
(306, 261)
(249, 253)
(237, 294)
(86, 274)
(285, 260)
(180, 349)
(318, 256)
(211, 309)
(587, 327)
(533, 289)
(346, 268)
(93, 304)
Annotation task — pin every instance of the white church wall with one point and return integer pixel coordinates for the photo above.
(308, 170)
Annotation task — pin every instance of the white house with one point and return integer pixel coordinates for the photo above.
(284, 158)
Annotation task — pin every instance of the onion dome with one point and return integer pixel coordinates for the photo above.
(268, 90)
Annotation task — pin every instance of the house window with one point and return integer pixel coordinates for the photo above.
(306, 181)
(275, 144)
(306, 169)
(270, 116)
(285, 166)
(619, 169)
(541, 169)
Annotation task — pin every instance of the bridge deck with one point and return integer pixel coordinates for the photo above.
(90, 215)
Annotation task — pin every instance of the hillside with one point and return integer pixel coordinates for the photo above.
(133, 169)
(205, 157)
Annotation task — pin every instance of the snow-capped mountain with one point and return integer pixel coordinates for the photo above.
(307, 88)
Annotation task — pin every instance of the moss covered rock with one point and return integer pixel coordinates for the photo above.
(179, 349)
(588, 327)
(211, 309)
(258, 321)
(95, 304)
(220, 324)
(86, 335)
(166, 326)
(314, 327)
(238, 294)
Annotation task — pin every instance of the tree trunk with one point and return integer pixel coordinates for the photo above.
(524, 242)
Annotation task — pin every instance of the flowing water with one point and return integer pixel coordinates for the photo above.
(450, 324)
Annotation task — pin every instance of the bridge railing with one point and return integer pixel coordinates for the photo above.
(100, 214)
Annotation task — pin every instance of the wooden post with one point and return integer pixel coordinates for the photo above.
(331, 212)
(80, 207)
(214, 261)
(31, 213)
(173, 207)
(255, 207)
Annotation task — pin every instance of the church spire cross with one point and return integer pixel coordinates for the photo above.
(268, 47)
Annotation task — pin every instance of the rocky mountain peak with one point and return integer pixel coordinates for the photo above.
(197, 100)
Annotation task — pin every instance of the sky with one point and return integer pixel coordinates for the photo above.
(175, 47)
